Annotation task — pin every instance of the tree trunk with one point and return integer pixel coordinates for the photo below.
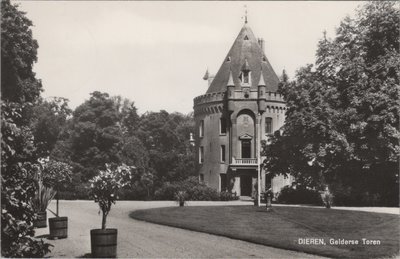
(103, 222)
(57, 203)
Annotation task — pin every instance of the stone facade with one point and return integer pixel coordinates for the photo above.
(240, 108)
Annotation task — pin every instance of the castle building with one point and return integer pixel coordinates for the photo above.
(240, 108)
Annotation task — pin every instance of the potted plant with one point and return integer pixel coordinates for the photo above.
(41, 201)
(56, 174)
(104, 188)
(180, 198)
(327, 197)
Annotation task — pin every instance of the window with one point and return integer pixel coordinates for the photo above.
(201, 155)
(222, 153)
(222, 126)
(268, 125)
(246, 148)
(201, 177)
(245, 77)
(201, 128)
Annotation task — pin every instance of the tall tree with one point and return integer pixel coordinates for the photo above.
(166, 137)
(19, 91)
(343, 116)
(18, 54)
(96, 135)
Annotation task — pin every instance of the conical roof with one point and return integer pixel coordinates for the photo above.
(245, 49)
(230, 80)
(262, 81)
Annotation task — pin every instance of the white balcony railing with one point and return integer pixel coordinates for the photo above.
(244, 161)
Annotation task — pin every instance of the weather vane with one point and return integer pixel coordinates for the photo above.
(245, 13)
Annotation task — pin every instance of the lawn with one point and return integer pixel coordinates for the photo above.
(287, 227)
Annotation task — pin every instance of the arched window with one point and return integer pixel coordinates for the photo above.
(268, 125)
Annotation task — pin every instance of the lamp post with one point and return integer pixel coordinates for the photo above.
(258, 160)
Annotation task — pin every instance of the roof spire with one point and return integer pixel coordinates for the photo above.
(261, 82)
(245, 13)
(230, 80)
(206, 75)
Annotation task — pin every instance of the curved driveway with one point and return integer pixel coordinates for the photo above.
(141, 239)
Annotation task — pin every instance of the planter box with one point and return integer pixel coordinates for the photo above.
(58, 227)
(104, 242)
(41, 220)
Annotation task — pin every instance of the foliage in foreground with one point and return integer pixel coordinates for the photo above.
(19, 91)
(341, 128)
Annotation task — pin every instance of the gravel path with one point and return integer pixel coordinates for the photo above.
(141, 239)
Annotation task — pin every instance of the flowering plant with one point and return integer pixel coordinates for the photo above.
(105, 185)
(55, 174)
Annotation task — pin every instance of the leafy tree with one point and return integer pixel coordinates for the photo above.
(18, 54)
(49, 118)
(342, 120)
(19, 91)
(129, 119)
(166, 136)
(96, 135)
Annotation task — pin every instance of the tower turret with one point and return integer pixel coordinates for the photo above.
(262, 102)
(231, 92)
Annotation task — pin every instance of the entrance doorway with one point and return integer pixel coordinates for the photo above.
(246, 148)
(245, 185)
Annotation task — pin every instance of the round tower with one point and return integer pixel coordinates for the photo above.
(240, 108)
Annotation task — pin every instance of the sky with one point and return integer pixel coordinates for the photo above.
(155, 53)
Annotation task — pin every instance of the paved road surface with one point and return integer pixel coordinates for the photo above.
(141, 239)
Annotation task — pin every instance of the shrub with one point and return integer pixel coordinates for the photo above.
(136, 193)
(166, 191)
(227, 196)
(75, 192)
(299, 195)
(195, 190)
(201, 192)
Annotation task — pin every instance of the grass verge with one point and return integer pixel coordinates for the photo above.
(287, 227)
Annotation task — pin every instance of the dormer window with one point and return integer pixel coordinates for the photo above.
(245, 73)
(245, 77)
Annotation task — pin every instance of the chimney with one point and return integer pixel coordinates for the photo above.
(210, 79)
